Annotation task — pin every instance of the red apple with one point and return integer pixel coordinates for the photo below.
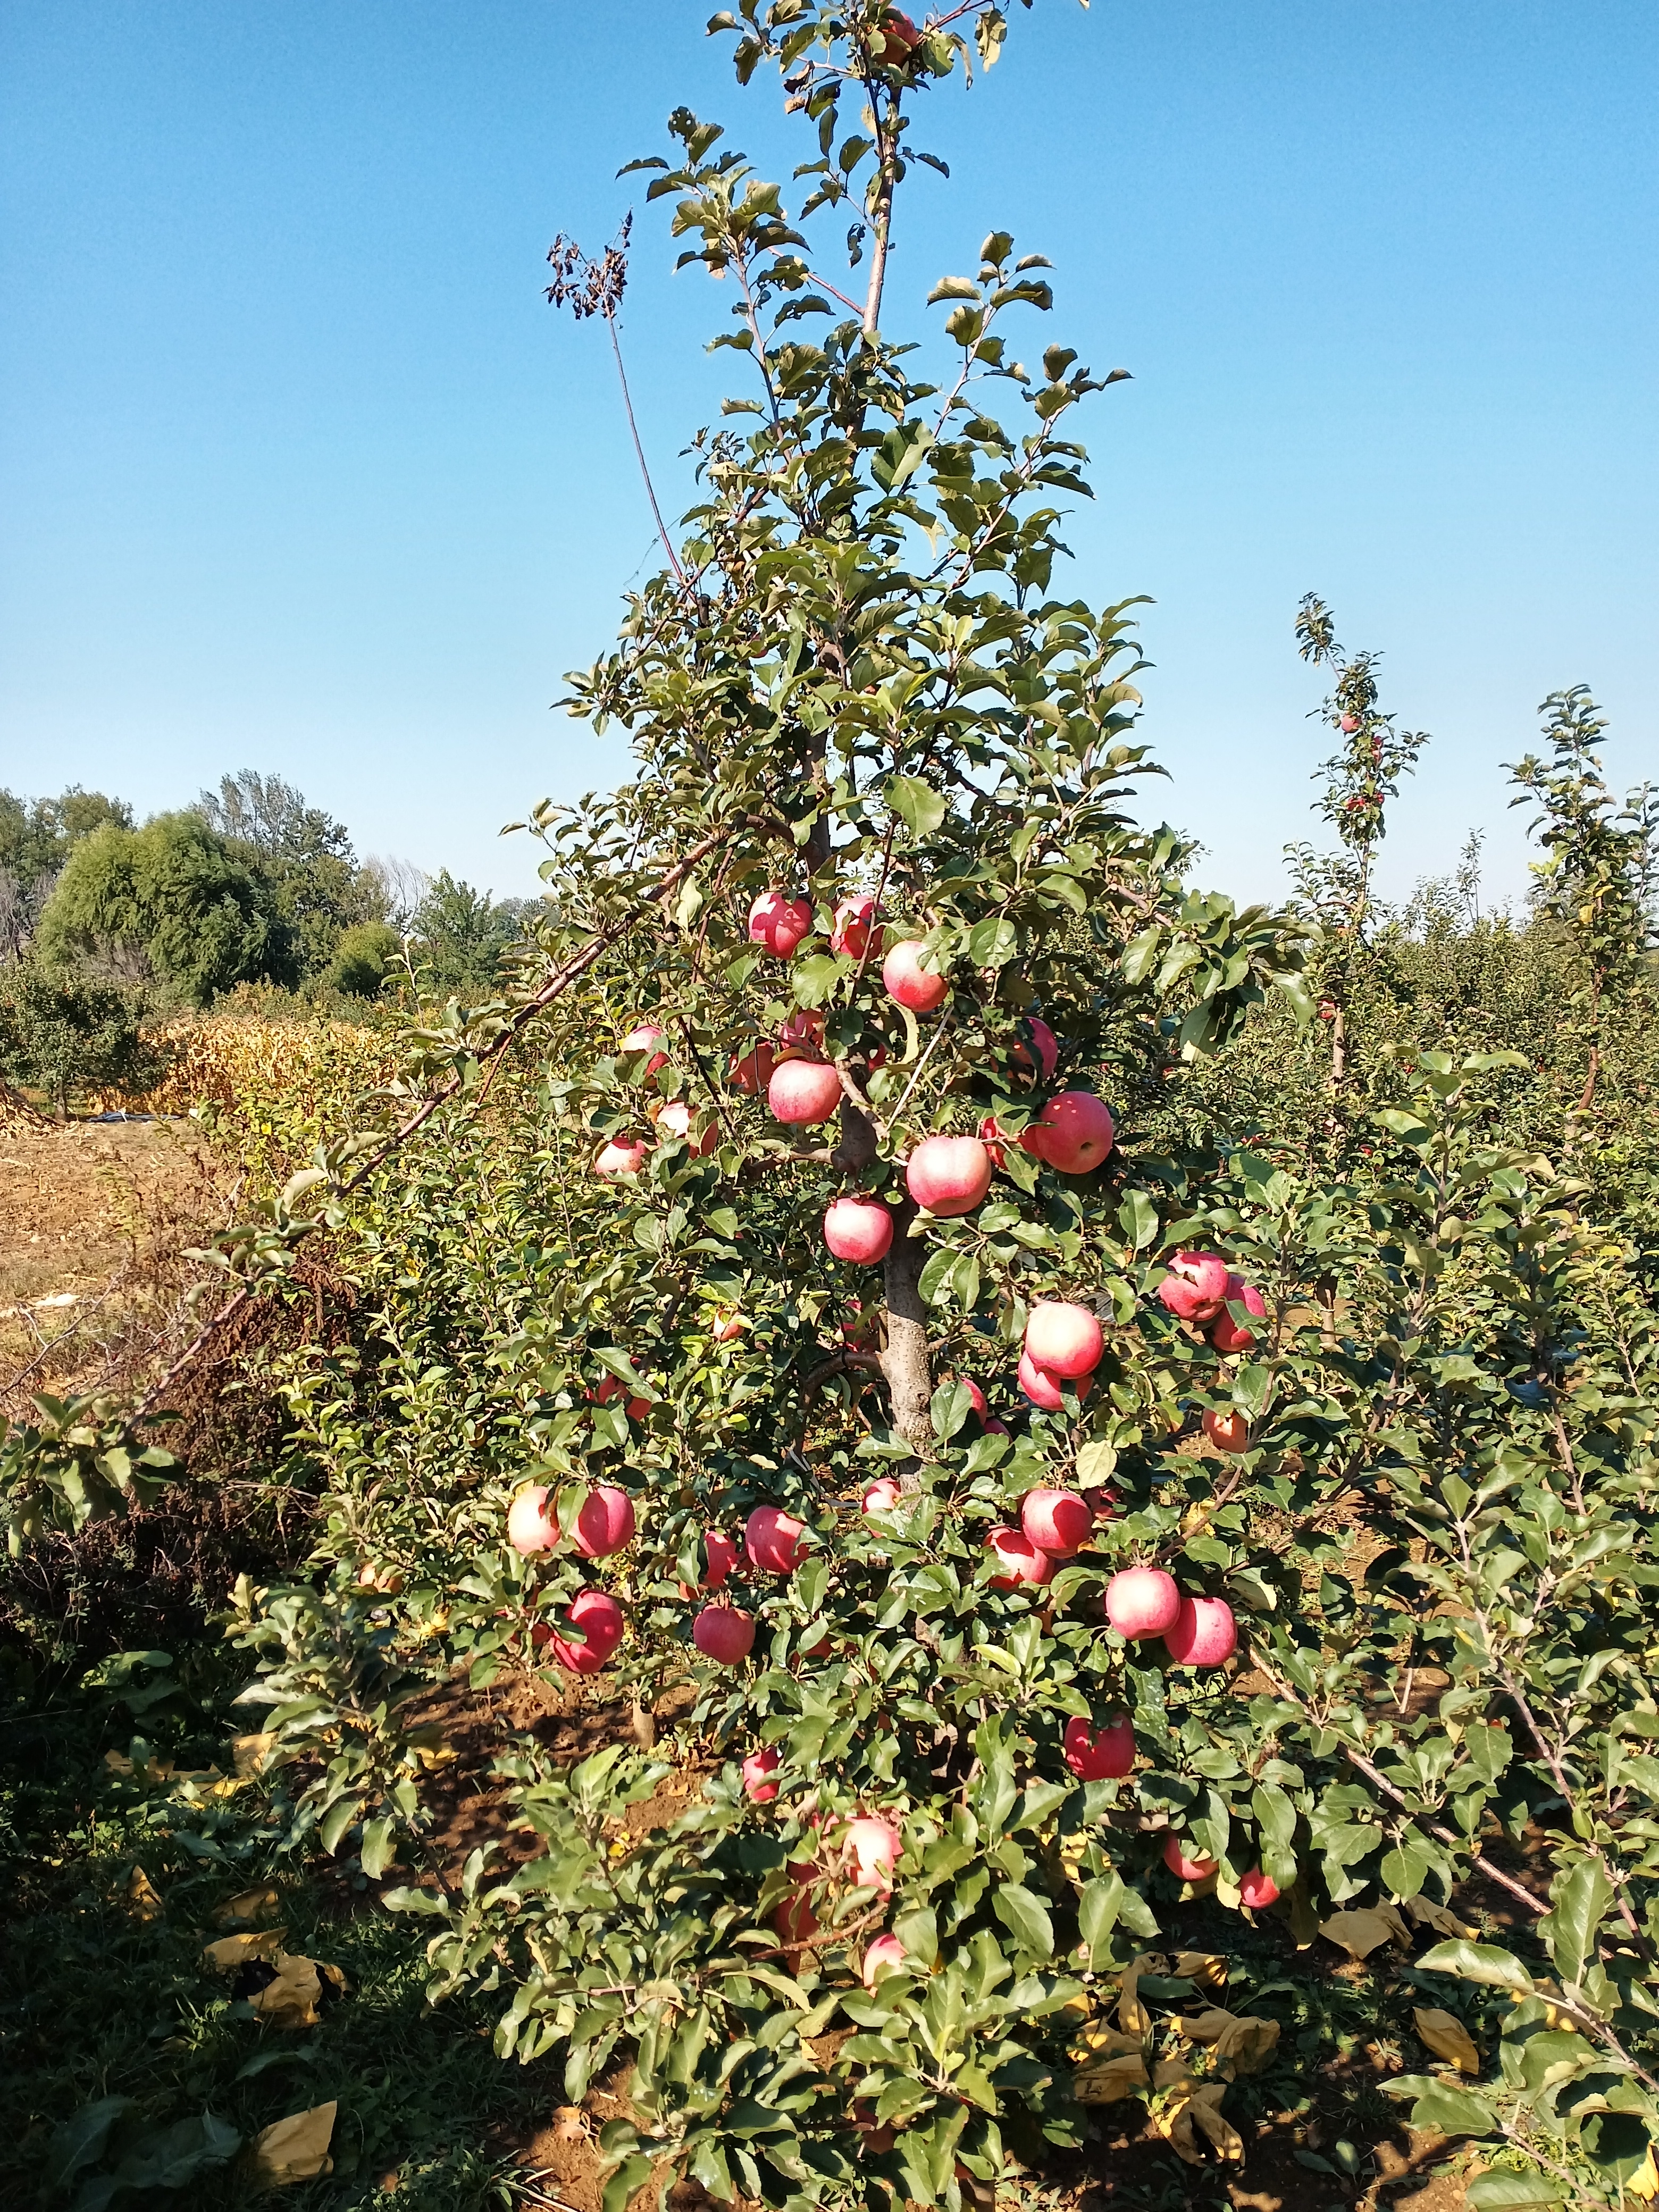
(795, 1921)
(621, 1156)
(802, 1091)
(992, 1137)
(1102, 1502)
(779, 922)
(757, 1771)
(1195, 1285)
(641, 1039)
(719, 1557)
(1228, 1432)
(601, 1621)
(905, 979)
(1257, 1891)
(1044, 1388)
(881, 1497)
(1013, 1550)
(726, 1327)
(529, 1527)
(1203, 1632)
(1349, 724)
(1225, 1333)
(751, 1072)
(771, 1538)
(949, 1175)
(858, 1229)
(976, 1396)
(882, 1956)
(1142, 1601)
(675, 1120)
(872, 1848)
(1056, 1521)
(1074, 1132)
(609, 1387)
(1046, 1045)
(1063, 1337)
(1185, 1869)
(721, 1632)
(854, 927)
(803, 1032)
(1100, 1755)
(605, 1521)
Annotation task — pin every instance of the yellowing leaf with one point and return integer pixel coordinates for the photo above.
(1361, 1933)
(1645, 2181)
(1447, 2037)
(294, 2149)
(1112, 2079)
(251, 1904)
(1439, 1918)
(249, 1753)
(1131, 2016)
(227, 1952)
(1206, 1969)
(143, 1901)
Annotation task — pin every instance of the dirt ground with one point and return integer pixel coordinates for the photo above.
(94, 1221)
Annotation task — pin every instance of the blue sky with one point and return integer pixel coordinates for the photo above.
(299, 472)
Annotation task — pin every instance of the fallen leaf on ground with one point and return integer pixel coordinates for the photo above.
(1447, 2037)
(294, 1999)
(251, 1904)
(1131, 2016)
(1246, 2047)
(227, 1952)
(1440, 1918)
(296, 2149)
(1123, 2076)
(1361, 1933)
(569, 2123)
(1100, 2041)
(144, 1900)
(1204, 2027)
(1205, 1970)
(1194, 2104)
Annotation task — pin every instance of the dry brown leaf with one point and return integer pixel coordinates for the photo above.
(1206, 1969)
(1205, 2106)
(1171, 2074)
(1447, 2037)
(1193, 2103)
(569, 2123)
(1123, 2076)
(1204, 2027)
(294, 2149)
(249, 1752)
(294, 1998)
(227, 1952)
(1361, 1933)
(1131, 2016)
(1101, 2041)
(1444, 1922)
(144, 1900)
(1246, 2045)
(251, 1904)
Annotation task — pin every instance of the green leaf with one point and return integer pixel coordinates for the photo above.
(80, 2141)
(1477, 1962)
(1454, 2112)
(1501, 2192)
(630, 2175)
(1097, 1909)
(813, 980)
(1137, 1217)
(1025, 1918)
(1096, 1463)
(936, 1275)
(950, 1408)
(338, 1818)
(378, 1848)
(915, 802)
(1406, 1868)
(993, 944)
(1582, 1899)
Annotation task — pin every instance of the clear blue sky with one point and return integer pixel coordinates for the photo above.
(298, 471)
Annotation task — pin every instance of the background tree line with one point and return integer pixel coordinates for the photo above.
(108, 926)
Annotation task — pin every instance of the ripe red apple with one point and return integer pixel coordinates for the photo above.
(1102, 1502)
(854, 927)
(1350, 723)
(757, 1771)
(795, 1921)
(609, 1387)
(872, 1848)
(802, 1091)
(605, 1521)
(1185, 1869)
(1257, 1891)
(779, 922)
(1203, 1633)
(1044, 1388)
(727, 1327)
(1065, 1338)
(719, 1556)
(803, 1032)
(976, 1396)
(858, 1229)
(899, 38)
(904, 978)
(1056, 1521)
(1225, 1333)
(1074, 1132)
(1195, 1285)
(1047, 1046)
(529, 1527)
(724, 1634)
(882, 1956)
(771, 1538)
(621, 1156)
(1142, 1601)
(1228, 1432)
(601, 1621)
(1012, 1549)
(675, 1120)
(881, 1497)
(949, 1175)
(641, 1039)
(1100, 1755)
(995, 1142)
(751, 1072)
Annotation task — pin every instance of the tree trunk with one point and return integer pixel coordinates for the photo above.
(905, 1363)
